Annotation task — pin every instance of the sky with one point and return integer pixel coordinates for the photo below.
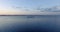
(34, 7)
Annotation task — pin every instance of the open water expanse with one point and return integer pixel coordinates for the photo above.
(30, 23)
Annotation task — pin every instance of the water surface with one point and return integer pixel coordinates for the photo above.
(35, 23)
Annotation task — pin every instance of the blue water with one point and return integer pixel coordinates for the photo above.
(40, 23)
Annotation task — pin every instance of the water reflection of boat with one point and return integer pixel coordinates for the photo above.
(30, 16)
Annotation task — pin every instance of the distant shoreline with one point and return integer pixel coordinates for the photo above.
(23, 15)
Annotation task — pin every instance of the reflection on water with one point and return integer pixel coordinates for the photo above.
(41, 23)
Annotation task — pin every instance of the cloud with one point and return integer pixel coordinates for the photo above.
(21, 8)
(52, 9)
(39, 11)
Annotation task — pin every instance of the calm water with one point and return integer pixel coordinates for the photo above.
(42, 23)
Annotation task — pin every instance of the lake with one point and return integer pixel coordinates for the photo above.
(30, 23)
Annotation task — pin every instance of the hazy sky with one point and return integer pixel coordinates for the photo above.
(29, 6)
